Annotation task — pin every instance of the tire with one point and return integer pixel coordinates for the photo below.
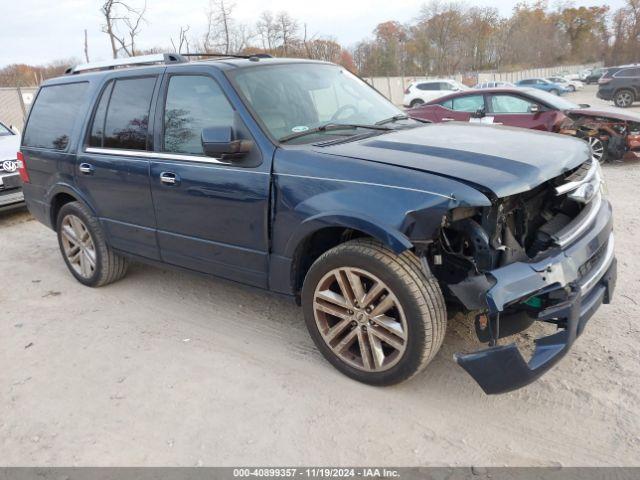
(554, 92)
(572, 88)
(416, 103)
(97, 265)
(418, 312)
(624, 98)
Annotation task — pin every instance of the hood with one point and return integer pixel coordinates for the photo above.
(591, 112)
(9, 146)
(503, 160)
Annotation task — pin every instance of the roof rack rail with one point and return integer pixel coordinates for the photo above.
(163, 58)
(227, 55)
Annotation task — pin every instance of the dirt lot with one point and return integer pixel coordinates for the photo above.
(164, 368)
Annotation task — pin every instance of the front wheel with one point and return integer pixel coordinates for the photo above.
(572, 88)
(84, 249)
(376, 316)
(555, 92)
(416, 103)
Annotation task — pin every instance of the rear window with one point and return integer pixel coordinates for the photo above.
(628, 72)
(54, 114)
(428, 86)
(122, 116)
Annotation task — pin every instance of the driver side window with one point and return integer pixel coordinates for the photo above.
(510, 104)
(193, 102)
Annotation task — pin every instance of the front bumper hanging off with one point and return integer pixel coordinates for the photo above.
(501, 369)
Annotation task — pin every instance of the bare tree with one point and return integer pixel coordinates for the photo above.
(183, 41)
(86, 46)
(287, 28)
(118, 14)
(219, 26)
(269, 31)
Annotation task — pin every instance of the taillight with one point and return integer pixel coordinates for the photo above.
(406, 92)
(22, 168)
(602, 81)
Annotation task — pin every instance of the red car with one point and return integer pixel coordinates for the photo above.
(612, 135)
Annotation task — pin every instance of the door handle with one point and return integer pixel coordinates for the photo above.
(86, 168)
(169, 178)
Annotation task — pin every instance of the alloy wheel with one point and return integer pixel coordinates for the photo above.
(78, 246)
(624, 99)
(360, 319)
(597, 149)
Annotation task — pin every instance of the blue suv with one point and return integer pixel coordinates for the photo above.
(295, 176)
(543, 84)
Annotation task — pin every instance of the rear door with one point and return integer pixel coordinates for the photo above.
(212, 214)
(112, 169)
(515, 111)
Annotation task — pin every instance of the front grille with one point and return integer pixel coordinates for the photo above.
(593, 261)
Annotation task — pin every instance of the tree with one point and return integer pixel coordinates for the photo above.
(120, 15)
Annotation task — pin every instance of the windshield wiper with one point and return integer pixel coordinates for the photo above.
(328, 127)
(395, 118)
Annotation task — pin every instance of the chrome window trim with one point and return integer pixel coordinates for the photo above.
(357, 182)
(155, 155)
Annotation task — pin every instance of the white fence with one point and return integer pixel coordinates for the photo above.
(14, 105)
(393, 87)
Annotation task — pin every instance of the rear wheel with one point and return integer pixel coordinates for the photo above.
(624, 98)
(373, 314)
(598, 149)
(84, 249)
(416, 103)
(572, 88)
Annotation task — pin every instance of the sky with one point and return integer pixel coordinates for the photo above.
(39, 31)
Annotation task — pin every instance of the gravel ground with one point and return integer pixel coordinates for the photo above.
(164, 368)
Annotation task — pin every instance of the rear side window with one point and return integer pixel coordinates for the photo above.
(122, 115)
(628, 72)
(54, 114)
(428, 86)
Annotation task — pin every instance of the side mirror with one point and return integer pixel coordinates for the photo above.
(479, 113)
(220, 142)
(534, 109)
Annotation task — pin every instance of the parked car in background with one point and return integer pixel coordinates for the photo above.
(543, 84)
(611, 135)
(494, 85)
(10, 185)
(295, 176)
(594, 75)
(570, 85)
(620, 84)
(423, 91)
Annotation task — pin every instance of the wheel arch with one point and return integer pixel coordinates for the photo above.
(59, 196)
(319, 234)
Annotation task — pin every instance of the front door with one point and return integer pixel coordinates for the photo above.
(212, 215)
(112, 168)
(516, 111)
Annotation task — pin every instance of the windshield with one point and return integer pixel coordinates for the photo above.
(295, 98)
(555, 101)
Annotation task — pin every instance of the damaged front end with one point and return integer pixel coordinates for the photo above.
(543, 255)
(610, 138)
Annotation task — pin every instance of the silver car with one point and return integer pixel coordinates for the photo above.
(10, 184)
